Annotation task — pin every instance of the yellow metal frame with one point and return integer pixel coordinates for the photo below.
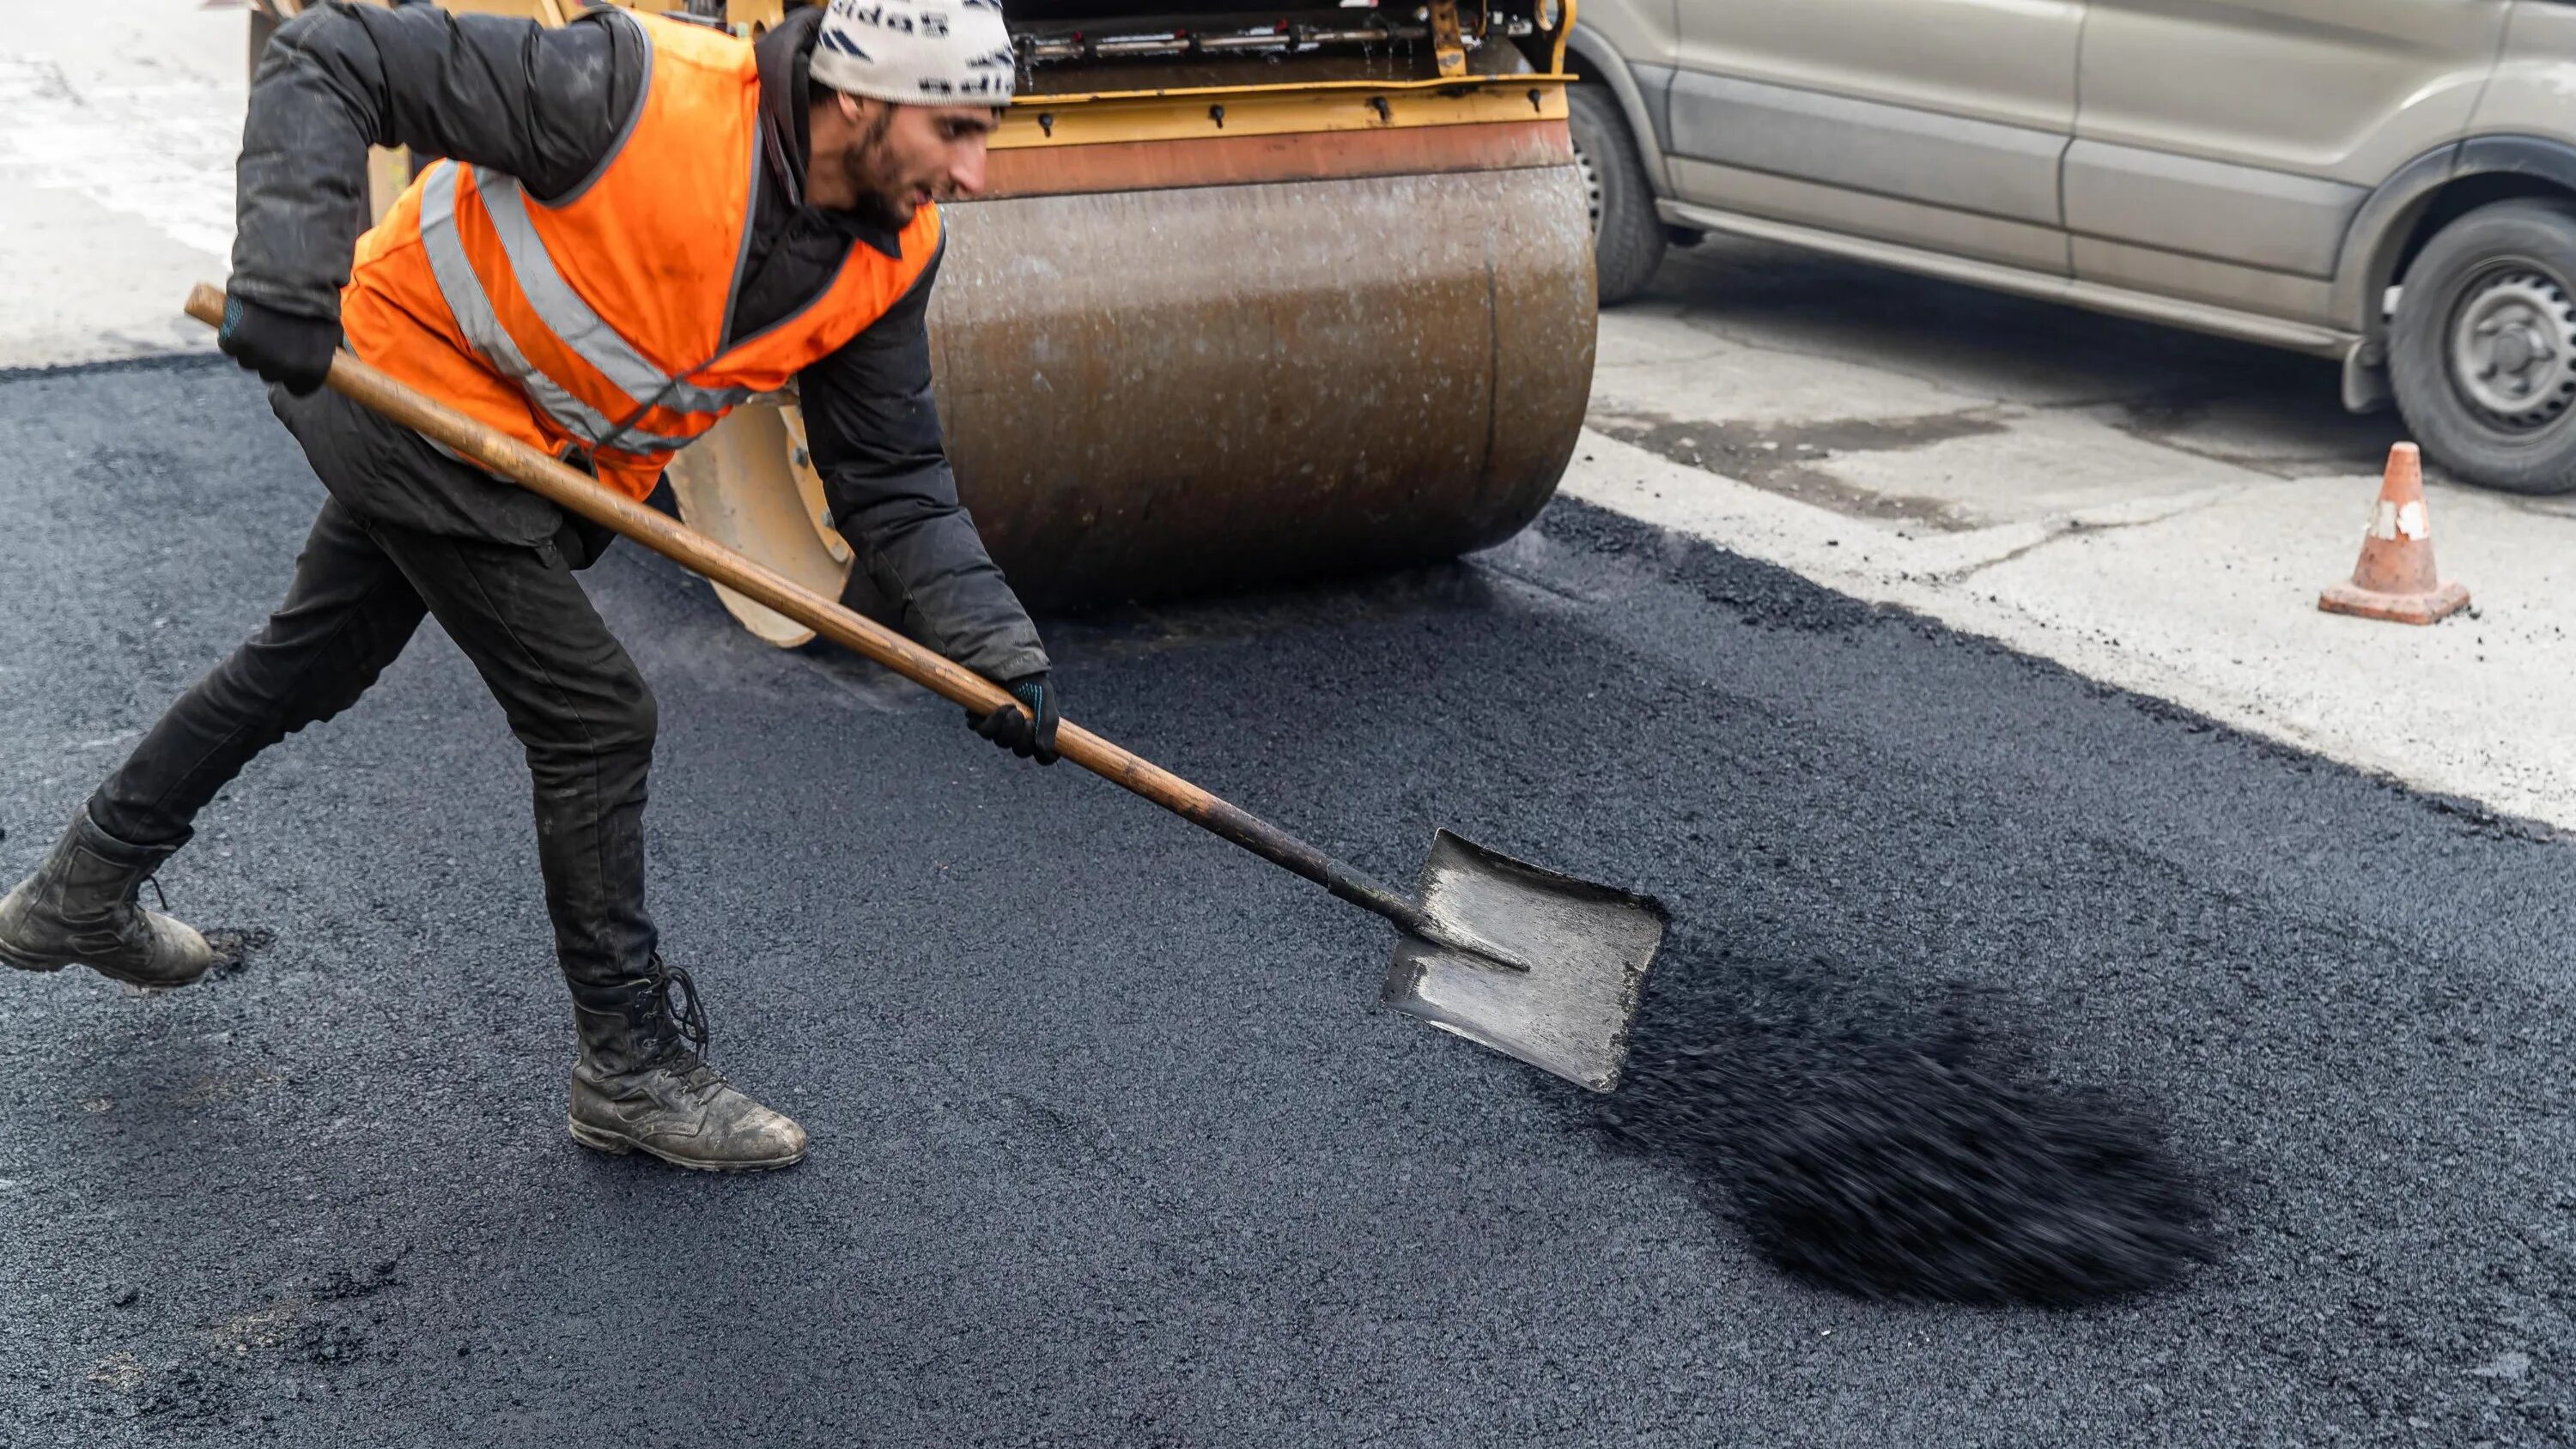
(1104, 116)
(1447, 45)
(748, 17)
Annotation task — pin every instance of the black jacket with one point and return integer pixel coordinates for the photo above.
(547, 106)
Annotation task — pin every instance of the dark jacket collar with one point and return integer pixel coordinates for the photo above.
(786, 98)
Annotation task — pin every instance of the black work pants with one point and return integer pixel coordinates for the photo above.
(572, 696)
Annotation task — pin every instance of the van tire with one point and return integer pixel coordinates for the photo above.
(2482, 355)
(1627, 237)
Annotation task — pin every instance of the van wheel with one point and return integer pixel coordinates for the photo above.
(1627, 239)
(2483, 353)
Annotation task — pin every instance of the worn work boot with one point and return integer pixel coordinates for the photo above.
(78, 910)
(640, 1085)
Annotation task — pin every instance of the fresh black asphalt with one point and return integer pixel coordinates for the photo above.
(1112, 1145)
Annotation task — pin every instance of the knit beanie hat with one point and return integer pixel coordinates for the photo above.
(916, 52)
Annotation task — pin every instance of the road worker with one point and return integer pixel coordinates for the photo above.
(639, 223)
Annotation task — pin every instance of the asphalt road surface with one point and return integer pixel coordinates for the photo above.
(1111, 1144)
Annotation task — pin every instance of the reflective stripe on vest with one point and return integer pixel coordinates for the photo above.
(569, 317)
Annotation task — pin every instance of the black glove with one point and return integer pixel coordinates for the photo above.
(279, 346)
(1025, 735)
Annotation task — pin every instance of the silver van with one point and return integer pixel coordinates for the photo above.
(2391, 183)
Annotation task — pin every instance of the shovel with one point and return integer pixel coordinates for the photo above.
(1533, 964)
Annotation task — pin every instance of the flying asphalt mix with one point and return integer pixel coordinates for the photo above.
(1111, 1144)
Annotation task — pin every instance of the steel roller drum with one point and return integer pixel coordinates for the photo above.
(1169, 391)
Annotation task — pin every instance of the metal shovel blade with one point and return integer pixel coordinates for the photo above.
(1587, 947)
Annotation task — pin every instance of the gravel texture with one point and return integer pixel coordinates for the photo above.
(1898, 1158)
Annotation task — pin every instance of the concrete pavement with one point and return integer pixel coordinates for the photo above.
(2153, 509)
(115, 174)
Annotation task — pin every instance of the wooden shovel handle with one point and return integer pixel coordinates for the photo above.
(942, 676)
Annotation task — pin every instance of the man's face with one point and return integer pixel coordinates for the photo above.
(909, 155)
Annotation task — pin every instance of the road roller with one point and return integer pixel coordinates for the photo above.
(1255, 292)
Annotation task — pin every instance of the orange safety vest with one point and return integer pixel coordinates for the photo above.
(595, 324)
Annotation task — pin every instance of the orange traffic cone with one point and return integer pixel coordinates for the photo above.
(2395, 578)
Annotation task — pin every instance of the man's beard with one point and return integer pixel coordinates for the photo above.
(879, 199)
(884, 211)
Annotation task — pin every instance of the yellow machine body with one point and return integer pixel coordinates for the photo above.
(1253, 294)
